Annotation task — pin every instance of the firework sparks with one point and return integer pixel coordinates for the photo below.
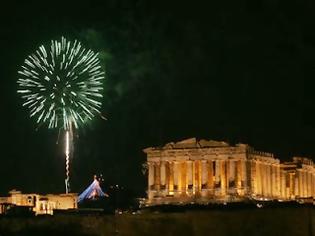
(62, 85)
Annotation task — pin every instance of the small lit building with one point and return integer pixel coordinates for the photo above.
(204, 171)
(40, 204)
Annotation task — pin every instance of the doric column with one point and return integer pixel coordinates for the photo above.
(231, 172)
(157, 173)
(253, 177)
(189, 174)
(183, 170)
(239, 173)
(204, 173)
(167, 176)
(258, 182)
(273, 180)
(197, 176)
(268, 176)
(278, 180)
(296, 184)
(292, 185)
(308, 184)
(223, 177)
(179, 173)
(264, 177)
(305, 183)
(217, 171)
(227, 173)
(282, 187)
(150, 180)
(151, 176)
(210, 174)
(176, 175)
(300, 183)
(244, 173)
(163, 174)
(171, 177)
(312, 183)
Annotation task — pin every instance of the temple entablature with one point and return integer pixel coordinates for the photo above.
(206, 171)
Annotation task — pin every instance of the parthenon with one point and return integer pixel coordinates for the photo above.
(205, 171)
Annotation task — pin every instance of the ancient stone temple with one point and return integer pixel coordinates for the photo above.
(210, 171)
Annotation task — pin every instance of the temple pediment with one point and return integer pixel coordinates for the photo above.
(199, 170)
(194, 143)
(189, 143)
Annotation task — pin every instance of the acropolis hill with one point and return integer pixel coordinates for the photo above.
(202, 171)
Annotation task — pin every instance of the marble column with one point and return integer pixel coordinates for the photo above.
(179, 176)
(273, 180)
(227, 173)
(300, 182)
(268, 176)
(264, 177)
(244, 174)
(296, 184)
(312, 184)
(197, 176)
(167, 176)
(163, 174)
(204, 173)
(223, 177)
(232, 172)
(151, 176)
(157, 178)
(210, 174)
(217, 171)
(150, 180)
(171, 177)
(305, 183)
(183, 177)
(308, 184)
(176, 175)
(283, 186)
(253, 177)
(278, 180)
(189, 176)
(292, 185)
(239, 172)
(258, 183)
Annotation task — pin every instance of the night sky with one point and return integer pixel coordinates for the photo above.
(230, 71)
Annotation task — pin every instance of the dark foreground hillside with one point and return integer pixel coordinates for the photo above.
(289, 221)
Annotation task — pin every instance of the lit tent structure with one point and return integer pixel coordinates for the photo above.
(94, 191)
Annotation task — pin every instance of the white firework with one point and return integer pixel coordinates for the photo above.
(62, 84)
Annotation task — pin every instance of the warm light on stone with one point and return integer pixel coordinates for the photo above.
(40, 204)
(211, 171)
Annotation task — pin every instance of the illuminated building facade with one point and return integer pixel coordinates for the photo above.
(204, 171)
(40, 204)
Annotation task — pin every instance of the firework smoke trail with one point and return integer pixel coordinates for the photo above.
(67, 152)
(61, 85)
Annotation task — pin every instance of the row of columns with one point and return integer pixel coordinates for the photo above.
(224, 177)
(270, 181)
(191, 176)
(265, 178)
(304, 184)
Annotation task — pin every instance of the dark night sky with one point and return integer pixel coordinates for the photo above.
(232, 71)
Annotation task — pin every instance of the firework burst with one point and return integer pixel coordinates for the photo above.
(62, 87)
(62, 84)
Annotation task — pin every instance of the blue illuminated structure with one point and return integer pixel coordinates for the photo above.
(94, 191)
